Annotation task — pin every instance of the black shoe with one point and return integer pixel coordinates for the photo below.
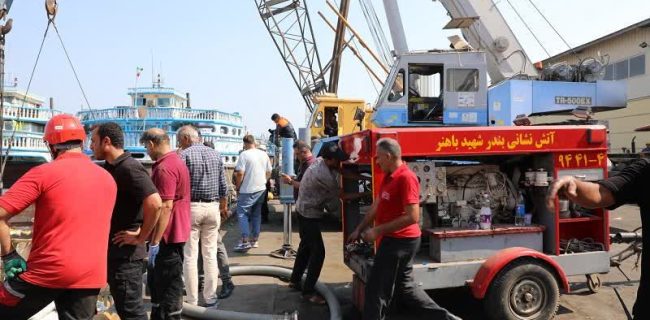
(226, 290)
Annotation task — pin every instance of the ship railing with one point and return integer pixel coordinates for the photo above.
(28, 113)
(154, 113)
(24, 142)
(223, 144)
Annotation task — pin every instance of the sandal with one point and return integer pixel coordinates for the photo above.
(316, 299)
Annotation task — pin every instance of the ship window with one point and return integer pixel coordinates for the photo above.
(224, 130)
(164, 102)
(462, 80)
(397, 92)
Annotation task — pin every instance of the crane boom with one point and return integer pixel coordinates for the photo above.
(485, 28)
(289, 25)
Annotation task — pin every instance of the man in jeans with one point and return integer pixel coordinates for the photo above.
(208, 205)
(165, 275)
(395, 213)
(252, 170)
(135, 215)
(319, 185)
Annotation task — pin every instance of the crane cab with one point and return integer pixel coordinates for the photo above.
(435, 88)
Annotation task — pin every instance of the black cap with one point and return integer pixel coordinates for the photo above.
(331, 150)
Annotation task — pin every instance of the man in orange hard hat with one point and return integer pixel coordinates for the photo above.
(74, 200)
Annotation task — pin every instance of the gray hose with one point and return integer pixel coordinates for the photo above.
(268, 271)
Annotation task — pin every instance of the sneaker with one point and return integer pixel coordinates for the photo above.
(226, 290)
(242, 247)
(214, 305)
(255, 244)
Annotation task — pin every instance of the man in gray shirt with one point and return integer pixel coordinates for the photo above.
(318, 186)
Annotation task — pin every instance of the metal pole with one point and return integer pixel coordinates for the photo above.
(286, 198)
(338, 48)
(396, 27)
(2, 105)
(356, 34)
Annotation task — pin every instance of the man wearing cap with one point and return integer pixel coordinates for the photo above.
(74, 200)
(319, 185)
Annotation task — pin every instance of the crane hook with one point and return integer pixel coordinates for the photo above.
(51, 8)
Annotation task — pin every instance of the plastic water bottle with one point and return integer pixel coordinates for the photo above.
(485, 215)
(520, 210)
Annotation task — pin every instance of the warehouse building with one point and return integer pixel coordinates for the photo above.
(625, 54)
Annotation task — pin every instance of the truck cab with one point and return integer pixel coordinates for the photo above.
(334, 116)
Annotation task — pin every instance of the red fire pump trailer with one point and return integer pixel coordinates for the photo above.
(518, 269)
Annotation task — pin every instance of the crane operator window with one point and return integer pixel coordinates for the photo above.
(425, 87)
(462, 80)
(397, 91)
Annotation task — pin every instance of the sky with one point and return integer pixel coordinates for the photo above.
(221, 53)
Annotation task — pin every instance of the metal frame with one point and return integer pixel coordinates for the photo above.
(290, 28)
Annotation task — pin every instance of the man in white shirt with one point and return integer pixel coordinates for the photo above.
(252, 170)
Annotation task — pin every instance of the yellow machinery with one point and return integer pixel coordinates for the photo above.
(334, 116)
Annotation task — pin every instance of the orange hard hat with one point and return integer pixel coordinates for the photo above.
(63, 128)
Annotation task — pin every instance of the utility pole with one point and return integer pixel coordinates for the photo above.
(339, 42)
(4, 29)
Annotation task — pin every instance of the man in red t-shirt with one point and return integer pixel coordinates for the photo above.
(172, 179)
(395, 213)
(74, 201)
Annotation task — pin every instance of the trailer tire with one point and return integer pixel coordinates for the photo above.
(524, 290)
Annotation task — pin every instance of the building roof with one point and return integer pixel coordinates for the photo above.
(642, 24)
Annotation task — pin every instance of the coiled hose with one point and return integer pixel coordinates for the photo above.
(267, 271)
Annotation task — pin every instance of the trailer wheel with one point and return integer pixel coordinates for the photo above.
(593, 283)
(523, 290)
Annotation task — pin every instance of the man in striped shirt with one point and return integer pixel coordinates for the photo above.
(208, 204)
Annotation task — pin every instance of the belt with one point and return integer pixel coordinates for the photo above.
(203, 200)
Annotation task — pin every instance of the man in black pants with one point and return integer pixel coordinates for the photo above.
(631, 185)
(136, 213)
(319, 185)
(395, 212)
(171, 177)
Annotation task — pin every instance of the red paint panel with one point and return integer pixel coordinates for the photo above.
(476, 140)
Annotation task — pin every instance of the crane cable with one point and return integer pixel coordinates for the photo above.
(552, 27)
(528, 27)
(50, 17)
(74, 71)
(377, 32)
(29, 83)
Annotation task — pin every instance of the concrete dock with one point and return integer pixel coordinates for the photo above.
(269, 295)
